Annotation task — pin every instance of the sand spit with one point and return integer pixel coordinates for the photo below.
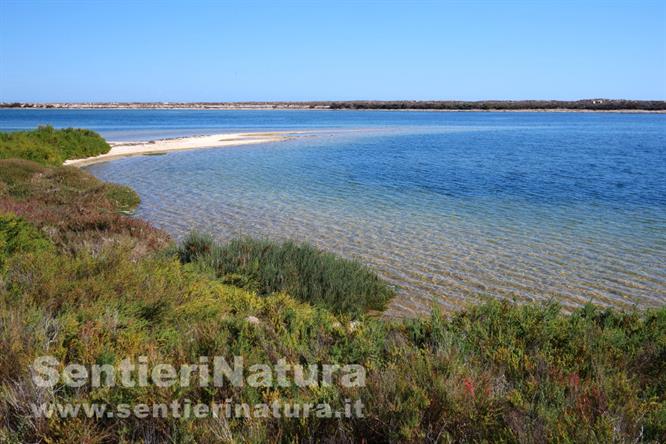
(125, 149)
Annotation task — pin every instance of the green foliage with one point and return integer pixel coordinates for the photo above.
(494, 372)
(73, 207)
(48, 146)
(196, 245)
(18, 236)
(122, 197)
(302, 271)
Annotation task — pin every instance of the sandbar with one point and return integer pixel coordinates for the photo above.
(125, 149)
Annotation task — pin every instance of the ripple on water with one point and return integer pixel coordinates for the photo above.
(448, 217)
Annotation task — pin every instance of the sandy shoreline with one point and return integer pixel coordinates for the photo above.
(126, 149)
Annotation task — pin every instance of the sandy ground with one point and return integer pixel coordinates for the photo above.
(124, 149)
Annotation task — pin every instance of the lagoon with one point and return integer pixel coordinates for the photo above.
(449, 207)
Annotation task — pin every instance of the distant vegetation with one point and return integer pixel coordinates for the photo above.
(451, 105)
(509, 105)
(81, 281)
(49, 146)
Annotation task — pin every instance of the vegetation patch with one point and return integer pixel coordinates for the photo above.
(75, 209)
(18, 236)
(123, 198)
(301, 270)
(494, 372)
(48, 146)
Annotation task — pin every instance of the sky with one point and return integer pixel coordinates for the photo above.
(144, 50)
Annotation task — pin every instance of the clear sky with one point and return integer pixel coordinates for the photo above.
(312, 50)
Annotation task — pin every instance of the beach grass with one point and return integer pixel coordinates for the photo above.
(301, 270)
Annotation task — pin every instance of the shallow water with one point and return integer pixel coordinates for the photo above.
(449, 207)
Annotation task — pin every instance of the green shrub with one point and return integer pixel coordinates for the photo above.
(122, 197)
(48, 146)
(195, 246)
(496, 372)
(18, 236)
(75, 208)
(306, 273)
(18, 171)
(26, 180)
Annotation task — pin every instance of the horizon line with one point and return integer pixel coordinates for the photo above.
(76, 102)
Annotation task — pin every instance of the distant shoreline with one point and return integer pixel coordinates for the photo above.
(589, 105)
(163, 146)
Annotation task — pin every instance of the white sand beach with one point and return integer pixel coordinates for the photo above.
(125, 149)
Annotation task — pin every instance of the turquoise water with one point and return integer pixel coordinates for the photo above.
(449, 207)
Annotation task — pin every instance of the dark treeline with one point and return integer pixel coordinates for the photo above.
(590, 104)
(453, 105)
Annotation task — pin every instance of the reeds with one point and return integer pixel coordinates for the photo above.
(301, 270)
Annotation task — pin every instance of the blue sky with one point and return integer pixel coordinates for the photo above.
(307, 50)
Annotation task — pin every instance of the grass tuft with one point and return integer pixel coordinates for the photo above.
(303, 271)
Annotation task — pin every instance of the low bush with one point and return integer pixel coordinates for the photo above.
(48, 146)
(301, 270)
(74, 208)
(494, 372)
(18, 236)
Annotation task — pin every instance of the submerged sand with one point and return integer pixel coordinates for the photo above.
(125, 149)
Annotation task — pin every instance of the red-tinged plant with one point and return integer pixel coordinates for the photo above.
(469, 387)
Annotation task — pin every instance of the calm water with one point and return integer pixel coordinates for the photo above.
(447, 206)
